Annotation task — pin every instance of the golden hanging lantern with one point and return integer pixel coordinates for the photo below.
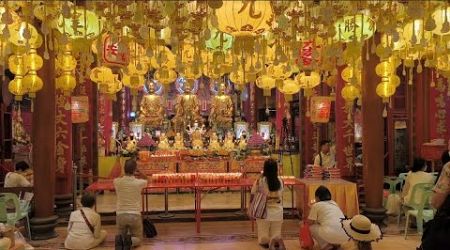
(66, 83)
(385, 90)
(22, 33)
(165, 75)
(33, 83)
(244, 18)
(350, 93)
(17, 88)
(442, 20)
(82, 24)
(133, 81)
(308, 80)
(357, 27)
(66, 63)
(289, 87)
(266, 83)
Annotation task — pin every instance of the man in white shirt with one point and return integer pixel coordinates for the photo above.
(17, 179)
(128, 189)
(325, 158)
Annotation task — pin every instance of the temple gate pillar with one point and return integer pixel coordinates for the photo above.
(373, 141)
(44, 153)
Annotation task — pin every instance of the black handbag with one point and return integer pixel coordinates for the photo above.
(123, 242)
(437, 231)
(149, 228)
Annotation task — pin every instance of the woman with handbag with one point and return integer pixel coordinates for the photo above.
(84, 229)
(437, 231)
(267, 204)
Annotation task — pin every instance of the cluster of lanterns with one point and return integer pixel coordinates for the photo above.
(287, 45)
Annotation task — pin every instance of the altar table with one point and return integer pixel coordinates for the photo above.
(198, 187)
(343, 192)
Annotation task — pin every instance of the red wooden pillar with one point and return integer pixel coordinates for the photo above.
(44, 153)
(344, 130)
(105, 120)
(309, 138)
(421, 104)
(373, 141)
(64, 176)
(280, 110)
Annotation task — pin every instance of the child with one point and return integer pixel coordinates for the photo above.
(361, 232)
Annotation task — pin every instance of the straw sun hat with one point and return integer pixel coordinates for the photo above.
(361, 229)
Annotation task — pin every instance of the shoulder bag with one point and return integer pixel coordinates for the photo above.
(87, 221)
(257, 209)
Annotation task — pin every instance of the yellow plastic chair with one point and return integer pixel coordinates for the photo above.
(21, 210)
(419, 209)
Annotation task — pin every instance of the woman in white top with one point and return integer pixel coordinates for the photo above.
(415, 176)
(17, 178)
(325, 220)
(270, 227)
(84, 229)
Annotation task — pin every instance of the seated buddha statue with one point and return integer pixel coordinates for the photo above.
(197, 142)
(214, 144)
(228, 144)
(20, 135)
(221, 115)
(187, 108)
(152, 109)
(179, 142)
(242, 143)
(163, 142)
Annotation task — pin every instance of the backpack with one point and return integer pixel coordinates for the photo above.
(149, 228)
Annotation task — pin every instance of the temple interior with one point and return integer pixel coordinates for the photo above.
(224, 124)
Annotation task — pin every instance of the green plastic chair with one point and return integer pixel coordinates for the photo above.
(402, 179)
(392, 182)
(21, 210)
(419, 209)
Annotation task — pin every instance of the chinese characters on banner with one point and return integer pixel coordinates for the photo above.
(80, 109)
(320, 109)
(439, 105)
(63, 140)
(345, 131)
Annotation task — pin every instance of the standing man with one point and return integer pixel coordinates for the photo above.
(128, 189)
(324, 158)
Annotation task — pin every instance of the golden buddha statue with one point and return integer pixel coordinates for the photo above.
(229, 143)
(163, 142)
(197, 142)
(221, 115)
(152, 109)
(214, 144)
(187, 108)
(179, 143)
(242, 143)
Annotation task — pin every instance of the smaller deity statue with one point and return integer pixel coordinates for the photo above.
(152, 109)
(229, 143)
(221, 115)
(197, 142)
(242, 143)
(179, 142)
(163, 142)
(112, 145)
(19, 133)
(214, 144)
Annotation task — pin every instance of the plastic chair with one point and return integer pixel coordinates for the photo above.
(402, 178)
(419, 209)
(21, 209)
(392, 182)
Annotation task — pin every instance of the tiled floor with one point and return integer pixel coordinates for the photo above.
(221, 236)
